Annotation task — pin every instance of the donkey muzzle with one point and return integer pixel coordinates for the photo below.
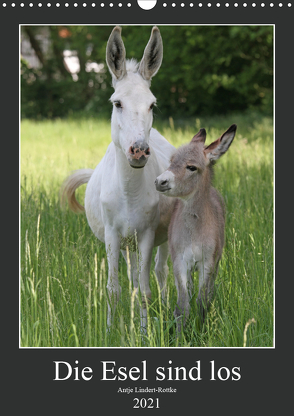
(162, 184)
(165, 182)
(138, 154)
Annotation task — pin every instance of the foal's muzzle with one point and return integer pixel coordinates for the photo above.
(138, 154)
(162, 184)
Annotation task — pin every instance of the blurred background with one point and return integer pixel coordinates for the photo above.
(206, 70)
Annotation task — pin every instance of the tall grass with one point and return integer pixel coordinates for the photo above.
(64, 267)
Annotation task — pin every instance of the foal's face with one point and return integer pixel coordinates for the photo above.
(184, 173)
(189, 166)
(132, 118)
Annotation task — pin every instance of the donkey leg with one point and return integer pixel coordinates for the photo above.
(161, 267)
(183, 282)
(207, 275)
(145, 253)
(112, 244)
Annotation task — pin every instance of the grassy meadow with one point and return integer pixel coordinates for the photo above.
(63, 299)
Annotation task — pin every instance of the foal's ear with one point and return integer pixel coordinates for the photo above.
(116, 54)
(152, 57)
(217, 148)
(199, 137)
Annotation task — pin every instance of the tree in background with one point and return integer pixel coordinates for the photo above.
(205, 70)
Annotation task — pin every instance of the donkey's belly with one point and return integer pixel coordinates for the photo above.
(134, 219)
(94, 218)
(128, 224)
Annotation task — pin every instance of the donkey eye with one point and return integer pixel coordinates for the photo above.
(191, 168)
(151, 106)
(117, 104)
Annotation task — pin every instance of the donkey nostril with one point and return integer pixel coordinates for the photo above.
(131, 150)
(163, 183)
(147, 151)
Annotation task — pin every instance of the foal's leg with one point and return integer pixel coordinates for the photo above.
(112, 244)
(161, 267)
(183, 282)
(207, 275)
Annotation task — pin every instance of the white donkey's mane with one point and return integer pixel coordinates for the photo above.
(132, 65)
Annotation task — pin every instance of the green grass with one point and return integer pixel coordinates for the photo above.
(64, 267)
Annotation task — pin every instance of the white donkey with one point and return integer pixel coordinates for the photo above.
(196, 231)
(121, 200)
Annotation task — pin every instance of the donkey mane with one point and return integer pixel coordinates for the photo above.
(132, 65)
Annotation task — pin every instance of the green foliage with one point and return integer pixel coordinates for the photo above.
(206, 70)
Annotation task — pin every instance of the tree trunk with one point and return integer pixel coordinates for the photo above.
(35, 44)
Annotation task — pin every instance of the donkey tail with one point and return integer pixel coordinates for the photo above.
(76, 179)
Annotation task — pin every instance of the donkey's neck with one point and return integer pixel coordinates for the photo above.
(198, 203)
(130, 179)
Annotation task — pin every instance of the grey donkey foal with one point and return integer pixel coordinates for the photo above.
(196, 231)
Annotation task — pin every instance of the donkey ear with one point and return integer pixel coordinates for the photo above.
(116, 54)
(152, 57)
(217, 148)
(199, 137)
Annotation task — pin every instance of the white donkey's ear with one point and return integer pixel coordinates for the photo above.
(217, 148)
(116, 54)
(152, 57)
